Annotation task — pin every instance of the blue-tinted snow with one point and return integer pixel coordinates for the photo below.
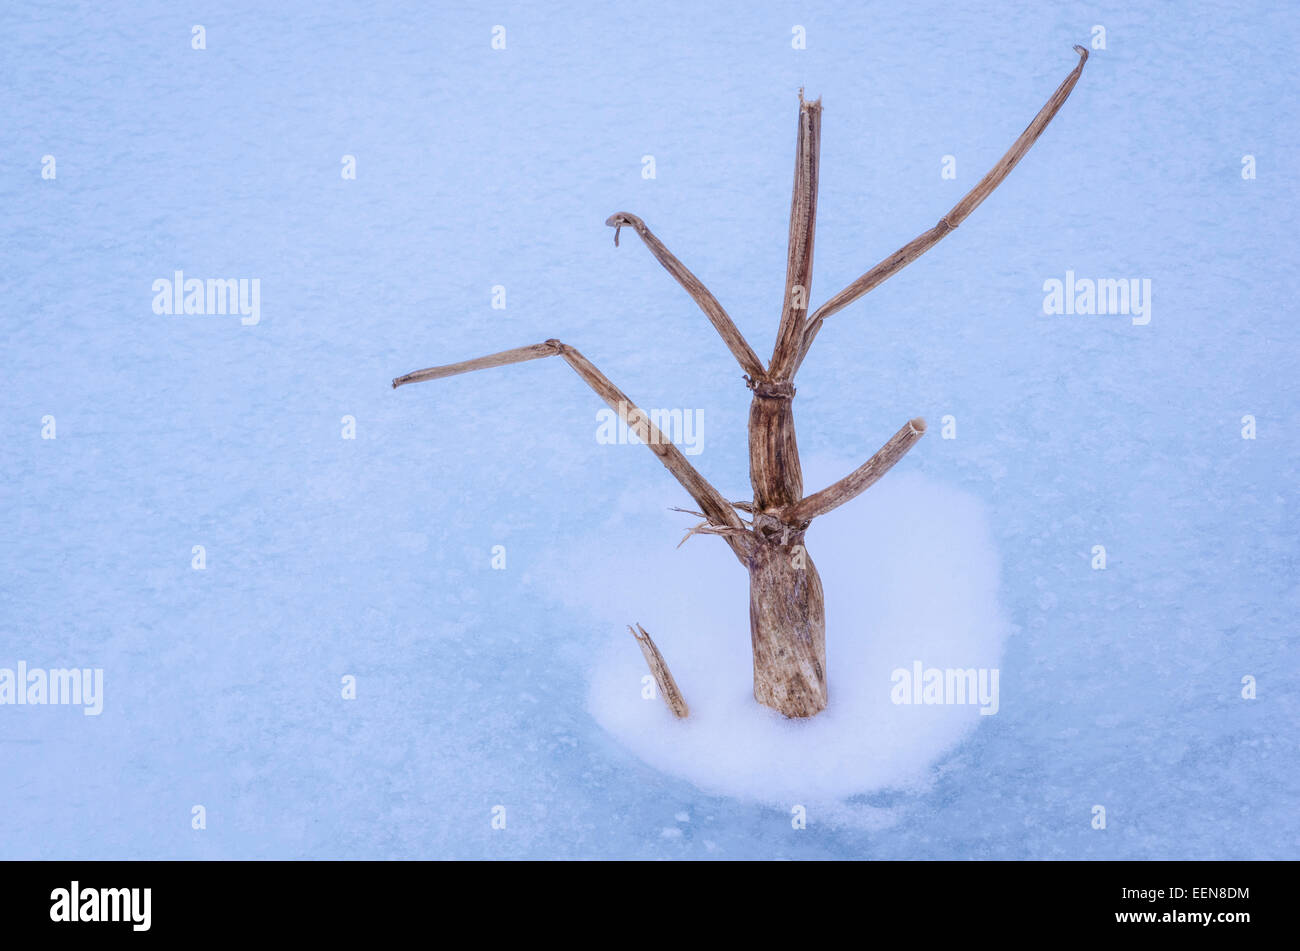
(475, 167)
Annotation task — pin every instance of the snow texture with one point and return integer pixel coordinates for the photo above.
(911, 574)
(371, 557)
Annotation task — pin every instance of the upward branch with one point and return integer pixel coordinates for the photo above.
(799, 254)
(712, 503)
(721, 321)
(860, 479)
(918, 246)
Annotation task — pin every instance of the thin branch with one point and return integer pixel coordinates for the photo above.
(704, 528)
(799, 254)
(860, 479)
(918, 246)
(723, 323)
(743, 506)
(517, 355)
(714, 505)
(663, 676)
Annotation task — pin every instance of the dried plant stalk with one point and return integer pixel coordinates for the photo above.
(787, 613)
(803, 229)
(787, 626)
(721, 321)
(517, 355)
(949, 222)
(663, 676)
(786, 604)
(861, 478)
(715, 506)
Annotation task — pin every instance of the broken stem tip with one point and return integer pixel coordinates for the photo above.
(663, 677)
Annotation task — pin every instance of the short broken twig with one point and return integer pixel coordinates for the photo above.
(662, 675)
(709, 528)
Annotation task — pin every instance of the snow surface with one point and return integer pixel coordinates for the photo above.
(371, 557)
(911, 574)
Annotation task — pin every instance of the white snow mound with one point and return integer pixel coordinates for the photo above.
(910, 574)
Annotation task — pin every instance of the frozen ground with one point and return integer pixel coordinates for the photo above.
(476, 167)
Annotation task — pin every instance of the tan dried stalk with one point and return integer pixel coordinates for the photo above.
(786, 606)
(662, 675)
(731, 336)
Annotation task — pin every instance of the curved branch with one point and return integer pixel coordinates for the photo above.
(918, 246)
(712, 503)
(721, 321)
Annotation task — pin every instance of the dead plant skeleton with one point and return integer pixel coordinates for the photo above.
(786, 608)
